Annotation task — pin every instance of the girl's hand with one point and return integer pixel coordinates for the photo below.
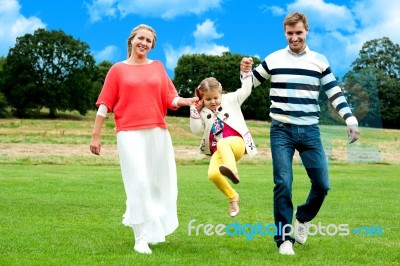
(199, 105)
(246, 64)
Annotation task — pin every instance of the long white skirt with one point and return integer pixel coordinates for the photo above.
(148, 169)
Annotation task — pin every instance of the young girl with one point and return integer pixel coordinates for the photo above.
(226, 138)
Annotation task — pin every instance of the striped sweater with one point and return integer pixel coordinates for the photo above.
(295, 84)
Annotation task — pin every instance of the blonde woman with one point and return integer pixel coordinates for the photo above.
(138, 91)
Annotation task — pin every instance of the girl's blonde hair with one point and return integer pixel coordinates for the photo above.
(134, 32)
(207, 85)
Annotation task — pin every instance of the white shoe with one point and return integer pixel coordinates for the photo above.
(142, 247)
(234, 206)
(286, 248)
(301, 231)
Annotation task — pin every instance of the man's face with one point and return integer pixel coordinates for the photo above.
(296, 37)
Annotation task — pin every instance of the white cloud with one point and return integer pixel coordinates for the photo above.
(339, 31)
(13, 24)
(166, 9)
(205, 32)
(377, 19)
(275, 10)
(101, 8)
(325, 16)
(205, 36)
(109, 53)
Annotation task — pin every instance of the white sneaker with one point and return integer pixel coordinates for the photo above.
(301, 231)
(142, 247)
(286, 248)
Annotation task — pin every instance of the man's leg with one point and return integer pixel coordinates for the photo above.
(314, 160)
(282, 150)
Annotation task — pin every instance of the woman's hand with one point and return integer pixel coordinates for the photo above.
(187, 101)
(95, 145)
(199, 105)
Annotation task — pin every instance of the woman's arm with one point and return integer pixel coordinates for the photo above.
(95, 145)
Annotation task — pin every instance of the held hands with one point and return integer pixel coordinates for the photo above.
(246, 64)
(199, 104)
(353, 133)
(187, 101)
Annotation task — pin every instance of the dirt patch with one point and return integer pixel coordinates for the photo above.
(71, 150)
(181, 152)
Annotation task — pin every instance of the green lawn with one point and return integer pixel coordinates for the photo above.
(71, 215)
(58, 209)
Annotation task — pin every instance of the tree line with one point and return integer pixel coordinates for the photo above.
(50, 69)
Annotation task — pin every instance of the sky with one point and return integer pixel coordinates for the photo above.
(337, 28)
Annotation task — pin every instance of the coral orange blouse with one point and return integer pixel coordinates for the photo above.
(139, 95)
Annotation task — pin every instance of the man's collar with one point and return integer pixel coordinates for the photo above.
(299, 54)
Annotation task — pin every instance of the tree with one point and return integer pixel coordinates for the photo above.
(2, 63)
(379, 58)
(49, 69)
(3, 101)
(361, 90)
(192, 69)
(101, 73)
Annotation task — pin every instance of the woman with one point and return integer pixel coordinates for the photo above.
(138, 91)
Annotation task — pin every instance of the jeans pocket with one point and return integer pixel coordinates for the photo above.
(276, 123)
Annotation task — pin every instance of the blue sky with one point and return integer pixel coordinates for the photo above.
(338, 28)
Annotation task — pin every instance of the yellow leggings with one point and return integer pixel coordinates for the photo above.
(229, 151)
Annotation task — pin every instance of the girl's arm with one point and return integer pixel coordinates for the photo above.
(247, 84)
(196, 123)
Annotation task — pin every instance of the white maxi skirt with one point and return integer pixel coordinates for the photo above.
(149, 175)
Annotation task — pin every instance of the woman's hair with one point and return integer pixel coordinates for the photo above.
(206, 85)
(293, 18)
(134, 32)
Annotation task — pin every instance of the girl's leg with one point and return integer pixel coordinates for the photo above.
(217, 178)
(222, 184)
(232, 150)
(228, 152)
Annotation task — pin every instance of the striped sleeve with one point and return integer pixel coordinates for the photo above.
(261, 73)
(336, 97)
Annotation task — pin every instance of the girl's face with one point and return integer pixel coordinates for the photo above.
(142, 42)
(212, 99)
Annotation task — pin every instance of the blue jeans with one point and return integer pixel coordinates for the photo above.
(285, 139)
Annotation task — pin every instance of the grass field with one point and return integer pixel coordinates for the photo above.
(66, 210)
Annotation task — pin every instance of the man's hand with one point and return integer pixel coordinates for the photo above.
(353, 133)
(246, 64)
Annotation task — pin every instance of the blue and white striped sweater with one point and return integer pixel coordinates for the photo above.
(295, 84)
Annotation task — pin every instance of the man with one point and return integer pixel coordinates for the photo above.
(296, 74)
